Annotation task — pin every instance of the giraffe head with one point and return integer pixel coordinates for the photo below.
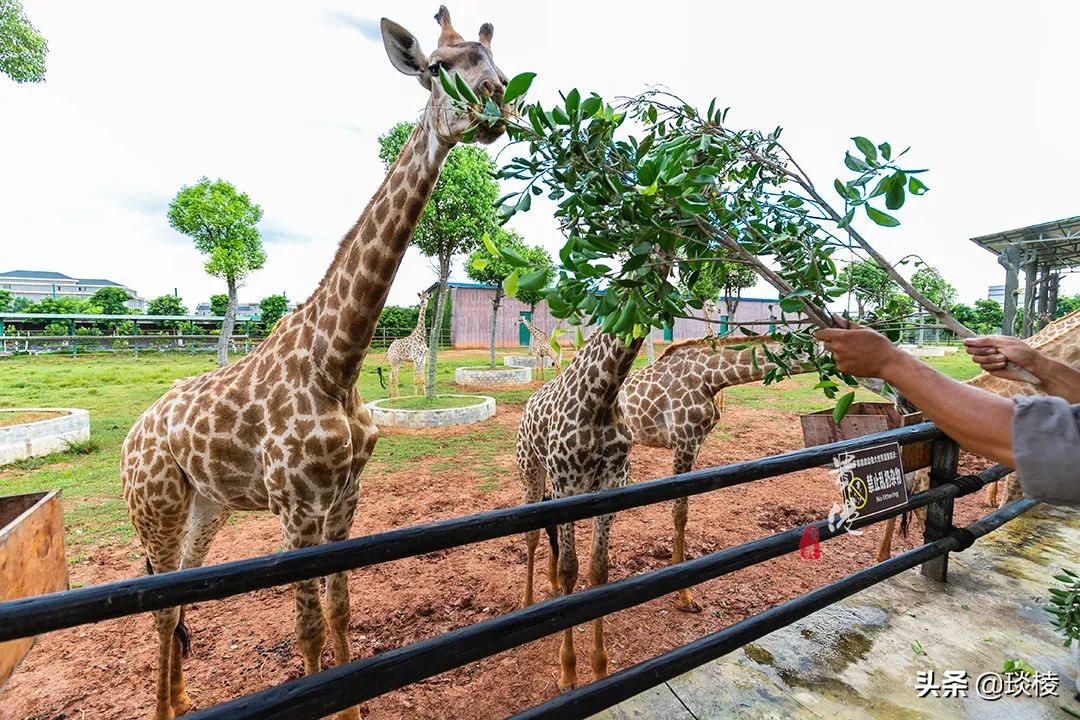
(470, 60)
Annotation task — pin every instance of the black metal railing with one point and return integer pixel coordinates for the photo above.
(340, 687)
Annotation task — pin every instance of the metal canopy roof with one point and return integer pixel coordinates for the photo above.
(1055, 243)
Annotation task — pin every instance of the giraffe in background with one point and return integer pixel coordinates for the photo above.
(675, 403)
(284, 428)
(540, 347)
(412, 347)
(573, 433)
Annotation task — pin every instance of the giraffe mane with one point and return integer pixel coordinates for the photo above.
(711, 341)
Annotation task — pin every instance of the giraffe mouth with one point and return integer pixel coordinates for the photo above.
(487, 133)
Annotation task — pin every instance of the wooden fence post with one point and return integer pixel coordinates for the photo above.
(944, 458)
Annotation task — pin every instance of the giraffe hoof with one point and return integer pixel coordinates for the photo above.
(566, 685)
(352, 713)
(688, 606)
(182, 704)
(525, 602)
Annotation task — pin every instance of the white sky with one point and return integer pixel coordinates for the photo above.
(286, 100)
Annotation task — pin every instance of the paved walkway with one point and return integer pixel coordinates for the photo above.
(855, 659)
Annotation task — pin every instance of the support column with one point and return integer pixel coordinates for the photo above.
(1051, 307)
(1031, 270)
(1044, 296)
(1010, 260)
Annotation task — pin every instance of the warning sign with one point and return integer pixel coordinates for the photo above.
(872, 480)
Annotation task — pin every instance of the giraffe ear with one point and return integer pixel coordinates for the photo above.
(404, 50)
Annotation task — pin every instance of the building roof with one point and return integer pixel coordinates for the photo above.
(37, 275)
(97, 281)
(1055, 243)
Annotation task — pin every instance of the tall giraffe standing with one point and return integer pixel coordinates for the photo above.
(1060, 340)
(572, 431)
(284, 428)
(412, 347)
(675, 403)
(540, 347)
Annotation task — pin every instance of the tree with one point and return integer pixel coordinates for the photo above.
(930, 283)
(166, 305)
(272, 309)
(5, 300)
(23, 305)
(868, 284)
(22, 47)
(1066, 305)
(492, 269)
(985, 317)
(460, 211)
(111, 301)
(222, 222)
(219, 304)
(722, 279)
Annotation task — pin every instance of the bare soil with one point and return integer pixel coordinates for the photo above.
(22, 417)
(245, 643)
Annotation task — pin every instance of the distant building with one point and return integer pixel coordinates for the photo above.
(37, 285)
(997, 294)
(244, 311)
(470, 319)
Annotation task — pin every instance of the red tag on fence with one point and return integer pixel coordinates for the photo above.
(809, 545)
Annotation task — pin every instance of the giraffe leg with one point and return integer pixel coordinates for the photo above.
(568, 573)
(531, 473)
(160, 519)
(598, 575)
(338, 524)
(540, 362)
(992, 494)
(392, 386)
(680, 511)
(885, 550)
(419, 377)
(301, 531)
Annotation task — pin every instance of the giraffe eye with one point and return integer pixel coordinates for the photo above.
(434, 69)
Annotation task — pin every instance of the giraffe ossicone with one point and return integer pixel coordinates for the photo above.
(284, 428)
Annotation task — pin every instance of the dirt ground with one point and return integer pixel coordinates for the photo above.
(245, 643)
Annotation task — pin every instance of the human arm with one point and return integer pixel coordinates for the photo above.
(978, 420)
(992, 353)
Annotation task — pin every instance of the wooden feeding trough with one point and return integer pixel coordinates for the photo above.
(865, 418)
(32, 559)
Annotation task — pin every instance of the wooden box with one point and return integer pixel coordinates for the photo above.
(865, 418)
(32, 559)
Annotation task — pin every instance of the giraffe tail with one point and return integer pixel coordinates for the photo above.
(182, 632)
(905, 521)
(381, 381)
(552, 533)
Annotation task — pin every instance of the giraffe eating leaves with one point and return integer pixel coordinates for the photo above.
(284, 428)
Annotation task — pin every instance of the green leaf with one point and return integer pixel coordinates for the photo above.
(846, 220)
(533, 280)
(510, 284)
(560, 115)
(791, 304)
(854, 163)
(881, 218)
(518, 86)
(882, 186)
(513, 257)
(916, 646)
(491, 247)
(479, 263)
(590, 105)
(915, 186)
(573, 98)
(886, 150)
(894, 198)
(447, 84)
(466, 91)
(842, 406)
(865, 147)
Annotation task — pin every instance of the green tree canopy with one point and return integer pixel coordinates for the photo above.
(219, 303)
(721, 279)
(985, 317)
(110, 301)
(272, 309)
(1066, 305)
(166, 305)
(461, 210)
(868, 284)
(5, 300)
(22, 47)
(930, 283)
(222, 222)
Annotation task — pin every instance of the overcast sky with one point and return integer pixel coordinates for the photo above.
(286, 100)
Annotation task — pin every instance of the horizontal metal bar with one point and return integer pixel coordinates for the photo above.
(604, 693)
(340, 687)
(45, 613)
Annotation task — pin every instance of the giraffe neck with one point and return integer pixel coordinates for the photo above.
(605, 361)
(535, 330)
(725, 367)
(345, 307)
(420, 322)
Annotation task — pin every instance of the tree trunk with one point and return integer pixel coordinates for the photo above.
(436, 325)
(494, 320)
(227, 325)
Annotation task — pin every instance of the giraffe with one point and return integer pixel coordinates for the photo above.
(411, 347)
(1060, 340)
(572, 431)
(540, 347)
(675, 403)
(284, 428)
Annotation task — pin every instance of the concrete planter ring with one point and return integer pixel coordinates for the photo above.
(526, 361)
(486, 377)
(481, 410)
(47, 430)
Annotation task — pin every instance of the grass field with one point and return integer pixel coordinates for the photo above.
(117, 388)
